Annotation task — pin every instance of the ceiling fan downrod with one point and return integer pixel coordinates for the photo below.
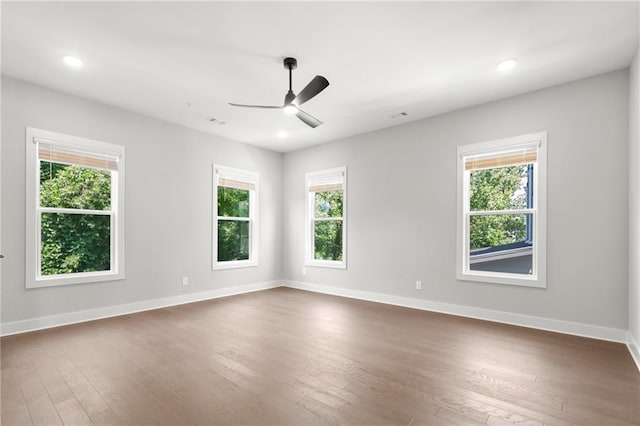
(290, 64)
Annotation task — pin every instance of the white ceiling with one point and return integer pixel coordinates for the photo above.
(182, 62)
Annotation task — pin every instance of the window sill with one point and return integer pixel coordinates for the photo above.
(234, 264)
(327, 264)
(502, 278)
(72, 279)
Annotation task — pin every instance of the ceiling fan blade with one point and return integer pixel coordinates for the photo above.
(255, 106)
(315, 86)
(308, 119)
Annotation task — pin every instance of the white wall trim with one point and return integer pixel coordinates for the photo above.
(558, 326)
(41, 323)
(634, 349)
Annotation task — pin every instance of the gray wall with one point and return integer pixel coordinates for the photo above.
(402, 204)
(168, 203)
(402, 201)
(634, 198)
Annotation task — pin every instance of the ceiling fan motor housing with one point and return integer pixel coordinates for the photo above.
(289, 97)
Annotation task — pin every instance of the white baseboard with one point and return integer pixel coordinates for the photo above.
(34, 324)
(634, 349)
(559, 326)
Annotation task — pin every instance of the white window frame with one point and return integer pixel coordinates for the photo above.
(250, 178)
(34, 279)
(539, 210)
(310, 218)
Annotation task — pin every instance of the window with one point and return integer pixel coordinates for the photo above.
(75, 210)
(235, 209)
(501, 211)
(326, 228)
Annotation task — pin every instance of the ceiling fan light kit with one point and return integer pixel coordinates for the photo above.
(292, 101)
(290, 109)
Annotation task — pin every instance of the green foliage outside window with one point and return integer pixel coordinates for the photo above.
(328, 234)
(233, 202)
(233, 235)
(74, 242)
(497, 189)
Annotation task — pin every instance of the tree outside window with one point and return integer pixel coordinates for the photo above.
(327, 233)
(233, 224)
(75, 241)
(502, 188)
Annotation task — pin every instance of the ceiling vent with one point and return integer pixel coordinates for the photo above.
(218, 122)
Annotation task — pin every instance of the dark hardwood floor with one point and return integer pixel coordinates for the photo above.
(286, 356)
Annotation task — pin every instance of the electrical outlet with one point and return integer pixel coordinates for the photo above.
(185, 280)
(304, 271)
(418, 285)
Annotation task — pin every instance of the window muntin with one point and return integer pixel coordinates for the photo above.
(326, 218)
(235, 208)
(75, 210)
(501, 211)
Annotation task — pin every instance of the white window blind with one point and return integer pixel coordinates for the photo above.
(330, 180)
(513, 157)
(233, 178)
(68, 154)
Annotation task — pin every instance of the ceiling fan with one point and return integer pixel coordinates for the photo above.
(292, 101)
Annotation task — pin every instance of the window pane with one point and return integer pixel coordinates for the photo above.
(501, 188)
(233, 202)
(501, 243)
(328, 240)
(75, 243)
(328, 204)
(233, 240)
(74, 187)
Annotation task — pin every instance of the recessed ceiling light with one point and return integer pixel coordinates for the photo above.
(72, 61)
(506, 65)
(282, 134)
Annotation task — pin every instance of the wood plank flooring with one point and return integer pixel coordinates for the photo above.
(291, 357)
